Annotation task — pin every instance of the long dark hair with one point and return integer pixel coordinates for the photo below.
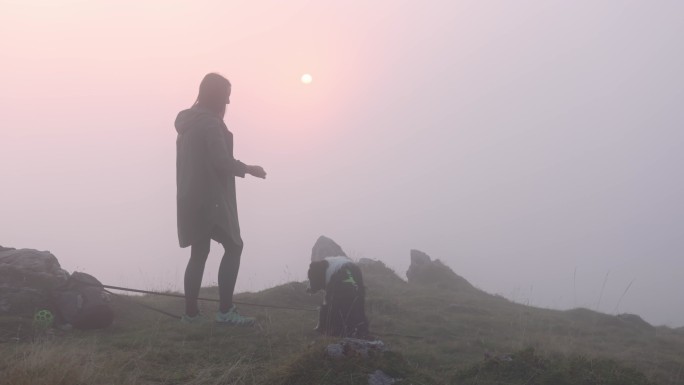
(213, 92)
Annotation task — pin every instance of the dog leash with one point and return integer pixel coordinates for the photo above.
(148, 307)
(199, 298)
(175, 316)
(213, 300)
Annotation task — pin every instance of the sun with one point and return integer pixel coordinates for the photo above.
(307, 78)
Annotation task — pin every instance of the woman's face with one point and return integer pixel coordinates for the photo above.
(228, 96)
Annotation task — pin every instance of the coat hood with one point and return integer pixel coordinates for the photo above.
(193, 117)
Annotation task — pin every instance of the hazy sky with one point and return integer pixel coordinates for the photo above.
(535, 147)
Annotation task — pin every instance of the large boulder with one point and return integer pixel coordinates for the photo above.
(418, 258)
(27, 279)
(424, 271)
(326, 247)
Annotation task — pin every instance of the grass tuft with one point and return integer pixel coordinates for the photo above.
(528, 368)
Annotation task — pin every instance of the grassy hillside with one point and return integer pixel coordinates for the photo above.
(439, 333)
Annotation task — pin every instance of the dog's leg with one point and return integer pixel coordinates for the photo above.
(322, 318)
(362, 328)
(336, 316)
(355, 321)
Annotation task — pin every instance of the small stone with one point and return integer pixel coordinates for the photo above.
(379, 377)
(334, 351)
(351, 347)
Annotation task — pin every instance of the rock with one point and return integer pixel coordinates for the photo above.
(27, 277)
(379, 377)
(424, 271)
(326, 247)
(334, 351)
(350, 347)
(377, 271)
(419, 258)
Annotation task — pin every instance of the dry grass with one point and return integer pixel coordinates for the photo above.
(435, 331)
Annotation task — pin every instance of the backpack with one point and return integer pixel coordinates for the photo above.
(84, 303)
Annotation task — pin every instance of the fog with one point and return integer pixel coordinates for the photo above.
(533, 146)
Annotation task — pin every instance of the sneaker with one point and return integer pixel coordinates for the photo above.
(197, 318)
(232, 317)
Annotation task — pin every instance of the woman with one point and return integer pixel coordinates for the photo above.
(206, 202)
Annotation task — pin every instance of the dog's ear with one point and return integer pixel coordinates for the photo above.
(316, 275)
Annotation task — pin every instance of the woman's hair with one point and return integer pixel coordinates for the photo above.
(213, 93)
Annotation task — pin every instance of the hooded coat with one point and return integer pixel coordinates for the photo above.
(205, 179)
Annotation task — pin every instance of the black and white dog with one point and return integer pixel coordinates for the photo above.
(343, 311)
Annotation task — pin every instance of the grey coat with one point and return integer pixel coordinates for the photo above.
(205, 179)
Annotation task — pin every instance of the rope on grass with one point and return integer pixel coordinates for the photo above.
(216, 300)
(145, 305)
(201, 298)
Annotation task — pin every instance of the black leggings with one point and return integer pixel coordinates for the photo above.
(227, 276)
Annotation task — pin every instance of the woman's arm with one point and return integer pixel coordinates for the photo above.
(220, 156)
(223, 160)
(256, 171)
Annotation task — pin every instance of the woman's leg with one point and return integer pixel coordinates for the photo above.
(199, 251)
(228, 271)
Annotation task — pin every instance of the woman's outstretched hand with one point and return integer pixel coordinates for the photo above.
(256, 171)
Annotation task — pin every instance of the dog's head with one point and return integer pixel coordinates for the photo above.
(316, 275)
